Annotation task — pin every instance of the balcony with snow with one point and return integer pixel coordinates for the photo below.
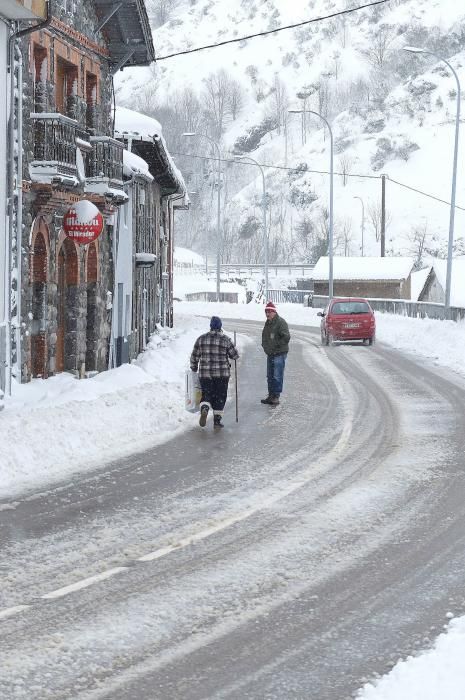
(104, 175)
(55, 158)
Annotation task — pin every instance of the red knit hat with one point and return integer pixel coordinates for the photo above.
(270, 307)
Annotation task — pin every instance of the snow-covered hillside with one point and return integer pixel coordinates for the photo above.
(391, 112)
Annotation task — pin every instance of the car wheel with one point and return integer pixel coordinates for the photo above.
(331, 340)
(326, 339)
(371, 341)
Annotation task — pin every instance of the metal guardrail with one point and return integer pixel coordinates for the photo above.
(288, 296)
(274, 269)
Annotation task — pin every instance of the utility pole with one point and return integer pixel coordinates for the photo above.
(383, 216)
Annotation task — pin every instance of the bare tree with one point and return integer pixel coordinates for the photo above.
(235, 99)
(345, 164)
(216, 96)
(161, 11)
(375, 218)
(280, 102)
(380, 48)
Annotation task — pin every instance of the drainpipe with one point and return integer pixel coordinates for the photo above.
(172, 198)
(14, 51)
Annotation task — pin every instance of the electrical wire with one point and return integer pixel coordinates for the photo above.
(273, 31)
(408, 187)
(321, 172)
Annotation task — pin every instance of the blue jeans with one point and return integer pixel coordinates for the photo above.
(275, 373)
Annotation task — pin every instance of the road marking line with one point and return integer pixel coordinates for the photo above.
(9, 612)
(85, 583)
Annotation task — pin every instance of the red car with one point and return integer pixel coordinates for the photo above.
(348, 319)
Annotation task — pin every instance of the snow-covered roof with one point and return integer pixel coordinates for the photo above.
(187, 257)
(144, 135)
(457, 287)
(135, 165)
(417, 282)
(132, 123)
(357, 268)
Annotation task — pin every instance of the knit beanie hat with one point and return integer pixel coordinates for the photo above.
(215, 323)
(271, 307)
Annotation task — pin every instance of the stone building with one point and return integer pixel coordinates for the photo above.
(15, 16)
(375, 278)
(69, 154)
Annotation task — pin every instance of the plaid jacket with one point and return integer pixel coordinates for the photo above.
(211, 354)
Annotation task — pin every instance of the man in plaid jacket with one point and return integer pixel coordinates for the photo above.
(210, 357)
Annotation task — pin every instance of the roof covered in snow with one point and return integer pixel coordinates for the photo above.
(357, 268)
(457, 289)
(417, 282)
(184, 256)
(143, 135)
(135, 165)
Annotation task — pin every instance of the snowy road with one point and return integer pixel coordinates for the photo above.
(290, 557)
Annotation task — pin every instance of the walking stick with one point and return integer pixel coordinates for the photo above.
(235, 380)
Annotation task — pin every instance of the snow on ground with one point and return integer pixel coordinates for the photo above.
(438, 674)
(53, 429)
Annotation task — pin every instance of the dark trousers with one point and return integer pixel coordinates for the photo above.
(214, 392)
(275, 373)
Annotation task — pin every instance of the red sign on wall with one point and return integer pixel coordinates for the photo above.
(83, 223)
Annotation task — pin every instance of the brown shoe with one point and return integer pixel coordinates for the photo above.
(203, 416)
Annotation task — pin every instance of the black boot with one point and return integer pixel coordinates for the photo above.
(217, 422)
(274, 400)
(267, 400)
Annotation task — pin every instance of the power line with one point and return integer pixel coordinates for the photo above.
(322, 172)
(273, 31)
(271, 167)
(408, 187)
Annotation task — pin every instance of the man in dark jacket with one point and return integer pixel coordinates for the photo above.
(210, 357)
(275, 342)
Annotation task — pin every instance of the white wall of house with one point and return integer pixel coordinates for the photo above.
(3, 188)
(122, 302)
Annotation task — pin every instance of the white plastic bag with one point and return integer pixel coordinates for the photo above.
(193, 391)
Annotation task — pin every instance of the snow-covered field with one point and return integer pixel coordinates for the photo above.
(54, 429)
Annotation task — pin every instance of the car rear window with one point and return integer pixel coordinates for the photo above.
(350, 307)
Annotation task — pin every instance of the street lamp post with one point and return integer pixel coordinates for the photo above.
(265, 232)
(363, 219)
(416, 50)
(331, 198)
(218, 213)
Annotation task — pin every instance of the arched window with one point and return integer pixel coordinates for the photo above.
(39, 278)
(67, 306)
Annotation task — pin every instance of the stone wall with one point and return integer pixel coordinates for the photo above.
(87, 317)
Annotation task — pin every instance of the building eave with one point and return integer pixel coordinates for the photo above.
(128, 34)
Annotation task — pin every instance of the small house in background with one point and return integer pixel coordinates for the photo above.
(376, 278)
(434, 288)
(418, 280)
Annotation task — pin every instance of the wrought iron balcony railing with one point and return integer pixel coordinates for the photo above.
(54, 148)
(106, 160)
